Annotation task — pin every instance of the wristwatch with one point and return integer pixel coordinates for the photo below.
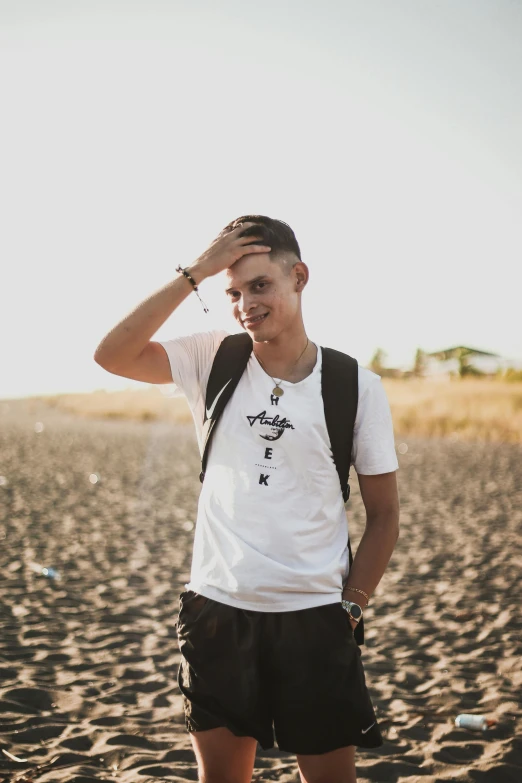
(354, 610)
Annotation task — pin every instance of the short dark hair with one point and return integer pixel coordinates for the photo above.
(275, 233)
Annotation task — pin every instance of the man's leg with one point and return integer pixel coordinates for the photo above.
(337, 766)
(222, 691)
(222, 757)
(322, 709)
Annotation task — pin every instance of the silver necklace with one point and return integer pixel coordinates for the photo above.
(277, 390)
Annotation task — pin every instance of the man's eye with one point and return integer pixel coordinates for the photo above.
(259, 285)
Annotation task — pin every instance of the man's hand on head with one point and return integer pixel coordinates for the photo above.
(228, 247)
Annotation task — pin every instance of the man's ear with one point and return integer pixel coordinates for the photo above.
(301, 275)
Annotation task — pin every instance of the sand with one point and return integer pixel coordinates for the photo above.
(88, 662)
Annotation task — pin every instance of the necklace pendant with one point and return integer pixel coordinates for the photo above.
(277, 391)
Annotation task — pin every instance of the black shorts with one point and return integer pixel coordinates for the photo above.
(297, 673)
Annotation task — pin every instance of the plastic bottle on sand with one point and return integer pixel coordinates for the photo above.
(50, 573)
(473, 722)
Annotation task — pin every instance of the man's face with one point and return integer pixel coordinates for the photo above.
(264, 298)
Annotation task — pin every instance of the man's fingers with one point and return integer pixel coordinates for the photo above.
(237, 229)
(251, 230)
(247, 250)
(247, 224)
(252, 241)
(253, 248)
(248, 234)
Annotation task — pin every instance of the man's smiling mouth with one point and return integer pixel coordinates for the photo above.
(258, 319)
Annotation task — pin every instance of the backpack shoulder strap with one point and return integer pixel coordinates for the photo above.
(340, 390)
(229, 364)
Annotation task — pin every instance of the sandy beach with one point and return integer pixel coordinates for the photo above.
(88, 661)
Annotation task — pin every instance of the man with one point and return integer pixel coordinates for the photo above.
(266, 642)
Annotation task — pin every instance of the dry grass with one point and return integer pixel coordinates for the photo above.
(469, 409)
(460, 409)
(151, 403)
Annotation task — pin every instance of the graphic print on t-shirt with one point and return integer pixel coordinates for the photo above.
(263, 477)
(270, 428)
(276, 424)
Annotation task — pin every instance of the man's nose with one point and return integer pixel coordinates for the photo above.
(245, 304)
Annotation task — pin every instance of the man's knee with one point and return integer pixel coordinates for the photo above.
(233, 771)
(337, 765)
(222, 757)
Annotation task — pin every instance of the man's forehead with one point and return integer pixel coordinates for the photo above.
(249, 268)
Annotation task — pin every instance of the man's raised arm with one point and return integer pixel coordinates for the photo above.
(127, 349)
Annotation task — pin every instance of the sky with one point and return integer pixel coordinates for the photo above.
(387, 134)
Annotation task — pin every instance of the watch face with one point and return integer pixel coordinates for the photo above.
(356, 611)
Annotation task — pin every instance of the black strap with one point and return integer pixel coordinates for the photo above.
(340, 390)
(229, 364)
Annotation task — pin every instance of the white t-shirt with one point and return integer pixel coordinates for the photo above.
(271, 532)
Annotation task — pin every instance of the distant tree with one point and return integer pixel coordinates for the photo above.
(465, 368)
(377, 362)
(419, 364)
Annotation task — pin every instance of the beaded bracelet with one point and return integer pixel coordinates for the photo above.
(193, 283)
